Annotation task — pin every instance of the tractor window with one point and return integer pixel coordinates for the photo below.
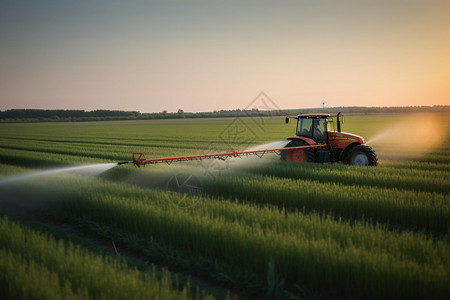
(330, 124)
(304, 127)
(320, 130)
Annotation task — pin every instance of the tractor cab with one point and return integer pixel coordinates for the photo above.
(319, 129)
(314, 127)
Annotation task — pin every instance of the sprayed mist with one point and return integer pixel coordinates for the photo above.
(86, 170)
(245, 162)
(409, 138)
(273, 145)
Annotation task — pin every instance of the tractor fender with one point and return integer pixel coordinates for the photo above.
(347, 149)
(302, 138)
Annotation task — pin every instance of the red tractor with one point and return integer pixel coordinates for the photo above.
(318, 129)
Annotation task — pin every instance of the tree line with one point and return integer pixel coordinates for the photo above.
(50, 115)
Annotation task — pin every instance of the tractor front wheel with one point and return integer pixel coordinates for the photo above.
(362, 155)
(297, 155)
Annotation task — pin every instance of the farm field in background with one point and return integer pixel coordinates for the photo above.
(252, 228)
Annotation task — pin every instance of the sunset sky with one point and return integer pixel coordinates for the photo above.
(210, 55)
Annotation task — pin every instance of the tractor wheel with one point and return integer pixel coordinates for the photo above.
(361, 155)
(297, 155)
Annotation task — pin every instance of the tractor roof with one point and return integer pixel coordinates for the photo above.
(313, 116)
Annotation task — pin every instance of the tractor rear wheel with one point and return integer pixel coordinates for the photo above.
(297, 155)
(361, 155)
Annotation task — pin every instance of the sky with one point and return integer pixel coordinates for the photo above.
(205, 55)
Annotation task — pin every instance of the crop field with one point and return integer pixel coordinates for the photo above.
(243, 228)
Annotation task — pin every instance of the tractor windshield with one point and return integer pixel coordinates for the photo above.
(314, 128)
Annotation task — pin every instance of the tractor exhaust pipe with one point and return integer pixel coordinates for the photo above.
(338, 122)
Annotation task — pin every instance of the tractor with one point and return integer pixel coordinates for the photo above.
(316, 141)
(318, 130)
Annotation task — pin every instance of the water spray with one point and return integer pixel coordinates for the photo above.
(91, 169)
(409, 138)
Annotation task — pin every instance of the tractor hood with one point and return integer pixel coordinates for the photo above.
(334, 135)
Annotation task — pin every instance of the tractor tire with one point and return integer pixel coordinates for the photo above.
(361, 155)
(297, 155)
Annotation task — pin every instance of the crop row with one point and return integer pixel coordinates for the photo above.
(41, 159)
(98, 143)
(113, 151)
(112, 154)
(393, 198)
(409, 209)
(425, 166)
(327, 255)
(100, 140)
(386, 177)
(135, 135)
(36, 266)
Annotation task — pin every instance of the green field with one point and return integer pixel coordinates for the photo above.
(249, 228)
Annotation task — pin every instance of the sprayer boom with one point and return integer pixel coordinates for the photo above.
(139, 159)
